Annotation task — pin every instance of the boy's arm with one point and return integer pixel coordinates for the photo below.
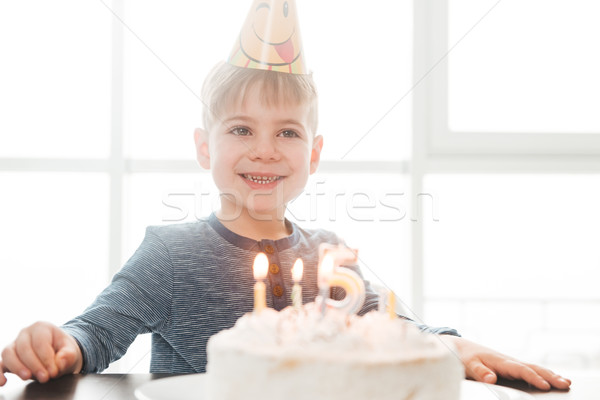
(137, 301)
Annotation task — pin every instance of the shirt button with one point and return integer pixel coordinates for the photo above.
(274, 269)
(278, 290)
(269, 249)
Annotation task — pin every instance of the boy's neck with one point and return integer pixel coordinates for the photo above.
(255, 227)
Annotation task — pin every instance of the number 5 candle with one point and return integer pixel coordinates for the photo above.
(326, 267)
(331, 257)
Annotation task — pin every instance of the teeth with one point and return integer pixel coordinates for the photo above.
(261, 179)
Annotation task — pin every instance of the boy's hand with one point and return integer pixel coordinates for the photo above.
(41, 351)
(485, 365)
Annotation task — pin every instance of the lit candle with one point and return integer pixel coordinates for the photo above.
(297, 271)
(261, 265)
(325, 272)
(391, 307)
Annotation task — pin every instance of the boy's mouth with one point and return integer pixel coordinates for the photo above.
(261, 179)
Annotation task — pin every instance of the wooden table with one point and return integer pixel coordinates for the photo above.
(586, 386)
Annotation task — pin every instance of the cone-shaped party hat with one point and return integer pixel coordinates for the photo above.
(270, 38)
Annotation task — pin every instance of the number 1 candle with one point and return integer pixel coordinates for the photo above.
(261, 265)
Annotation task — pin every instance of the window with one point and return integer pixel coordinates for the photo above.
(510, 138)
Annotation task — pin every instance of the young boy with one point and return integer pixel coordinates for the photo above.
(187, 282)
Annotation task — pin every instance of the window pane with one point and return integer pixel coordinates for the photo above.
(513, 236)
(361, 55)
(55, 79)
(54, 239)
(528, 66)
(361, 73)
(165, 70)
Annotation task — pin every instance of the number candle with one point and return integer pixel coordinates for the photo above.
(297, 271)
(325, 272)
(331, 275)
(261, 265)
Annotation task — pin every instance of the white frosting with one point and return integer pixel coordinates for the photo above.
(333, 356)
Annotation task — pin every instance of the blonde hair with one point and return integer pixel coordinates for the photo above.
(226, 84)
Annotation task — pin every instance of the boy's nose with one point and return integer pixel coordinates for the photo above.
(265, 148)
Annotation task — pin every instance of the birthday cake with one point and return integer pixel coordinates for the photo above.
(301, 354)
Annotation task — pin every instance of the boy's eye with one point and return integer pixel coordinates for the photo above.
(289, 134)
(239, 131)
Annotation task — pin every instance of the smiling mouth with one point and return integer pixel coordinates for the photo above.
(263, 180)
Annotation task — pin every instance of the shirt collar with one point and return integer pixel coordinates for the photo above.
(251, 244)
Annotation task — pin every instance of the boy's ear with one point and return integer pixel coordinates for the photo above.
(202, 154)
(315, 155)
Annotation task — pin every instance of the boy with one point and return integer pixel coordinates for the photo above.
(187, 282)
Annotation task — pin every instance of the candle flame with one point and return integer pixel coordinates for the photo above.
(297, 270)
(261, 266)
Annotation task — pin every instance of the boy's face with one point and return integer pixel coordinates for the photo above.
(260, 155)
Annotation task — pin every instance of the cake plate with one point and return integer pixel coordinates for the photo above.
(191, 387)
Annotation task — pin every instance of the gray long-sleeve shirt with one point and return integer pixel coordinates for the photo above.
(187, 282)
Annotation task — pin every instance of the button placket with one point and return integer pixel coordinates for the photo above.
(275, 276)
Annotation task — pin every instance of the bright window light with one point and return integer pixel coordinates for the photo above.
(513, 261)
(513, 236)
(527, 66)
(54, 246)
(55, 79)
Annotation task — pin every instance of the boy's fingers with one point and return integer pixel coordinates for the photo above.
(25, 352)
(67, 353)
(41, 341)
(554, 379)
(516, 370)
(11, 363)
(2, 371)
(66, 360)
(478, 371)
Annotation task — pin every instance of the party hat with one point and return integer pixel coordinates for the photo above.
(270, 38)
